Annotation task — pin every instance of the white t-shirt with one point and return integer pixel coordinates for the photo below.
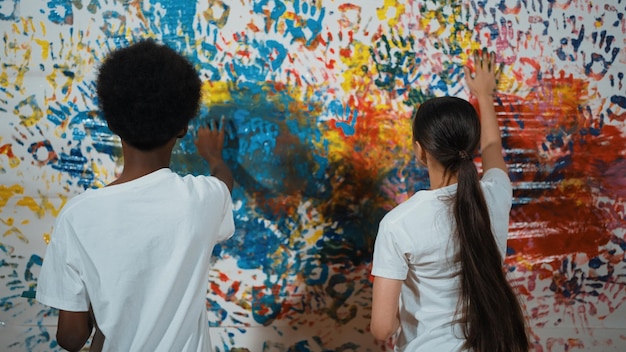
(415, 244)
(139, 253)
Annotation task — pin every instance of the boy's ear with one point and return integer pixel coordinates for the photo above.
(183, 132)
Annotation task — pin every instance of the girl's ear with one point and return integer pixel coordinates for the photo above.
(183, 132)
(420, 154)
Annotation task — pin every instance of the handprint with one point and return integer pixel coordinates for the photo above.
(174, 17)
(216, 13)
(114, 25)
(597, 63)
(61, 12)
(272, 13)
(395, 60)
(8, 9)
(506, 42)
(350, 18)
(306, 24)
(344, 115)
(255, 61)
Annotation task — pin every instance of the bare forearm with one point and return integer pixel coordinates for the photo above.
(220, 170)
(383, 333)
(385, 320)
(490, 139)
(490, 129)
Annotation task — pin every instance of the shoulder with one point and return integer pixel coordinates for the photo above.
(399, 212)
(498, 180)
(77, 203)
(210, 183)
(410, 215)
(495, 175)
(422, 202)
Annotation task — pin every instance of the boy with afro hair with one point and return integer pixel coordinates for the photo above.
(132, 259)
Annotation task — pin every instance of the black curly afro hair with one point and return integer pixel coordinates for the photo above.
(147, 93)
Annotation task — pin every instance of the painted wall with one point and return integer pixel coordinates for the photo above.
(319, 96)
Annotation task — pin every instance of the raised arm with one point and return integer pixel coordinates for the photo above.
(209, 142)
(482, 85)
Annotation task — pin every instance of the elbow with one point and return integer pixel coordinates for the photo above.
(71, 342)
(382, 332)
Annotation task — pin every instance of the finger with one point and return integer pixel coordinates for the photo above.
(484, 58)
(222, 120)
(213, 126)
(468, 74)
(492, 61)
(476, 58)
(499, 69)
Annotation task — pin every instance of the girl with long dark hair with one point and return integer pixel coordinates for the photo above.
(438, 273)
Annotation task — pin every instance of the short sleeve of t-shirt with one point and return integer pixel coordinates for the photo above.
(59, 283)
(389, 260)
(497, 186)
(227, 227)
(498, 193)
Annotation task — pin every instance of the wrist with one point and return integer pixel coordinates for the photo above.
(485, 98)
(213, 159)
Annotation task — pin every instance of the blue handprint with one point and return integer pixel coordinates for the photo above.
(61, 11)
(345, 116)
(273, 14)
(8, 9)
(601, 60)
(307, 24)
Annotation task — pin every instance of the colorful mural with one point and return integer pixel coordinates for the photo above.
(318, 96)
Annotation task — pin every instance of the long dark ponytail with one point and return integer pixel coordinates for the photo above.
(448, 128)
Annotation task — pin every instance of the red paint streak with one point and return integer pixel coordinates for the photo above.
(511, 10)
(558, 343)
(568, 217)
(215, 289)
(7, 150)
(348, 6)
(281, 204)
(522, 76)
(224, 40)
(235, 286)
(378, 35)
(279, 86)
(345, 52)
(253, 27)
(296, 75)
(241, 37)
(244, 53)
(617, 117)
(224, 277)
